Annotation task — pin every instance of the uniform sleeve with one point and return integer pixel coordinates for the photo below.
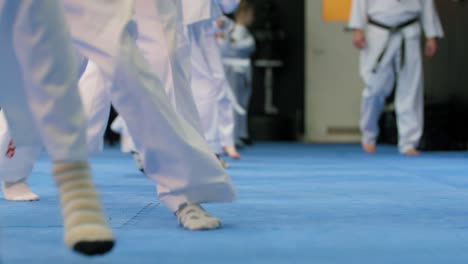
(430, 20)
(358, 17)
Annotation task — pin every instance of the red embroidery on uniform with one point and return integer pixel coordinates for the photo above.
(10, 153)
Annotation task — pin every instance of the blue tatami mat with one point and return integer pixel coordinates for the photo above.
(297, 204)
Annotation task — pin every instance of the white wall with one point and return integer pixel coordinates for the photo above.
(333, 87)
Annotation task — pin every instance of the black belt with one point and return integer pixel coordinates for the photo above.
(392, 30)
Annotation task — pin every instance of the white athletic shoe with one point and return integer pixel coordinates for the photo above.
(193, 217)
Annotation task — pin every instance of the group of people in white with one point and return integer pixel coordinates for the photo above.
(178, 72)
(159, 63)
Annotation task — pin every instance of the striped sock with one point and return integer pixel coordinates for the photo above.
(86, 230)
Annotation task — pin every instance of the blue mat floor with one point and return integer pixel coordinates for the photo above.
(297, 204)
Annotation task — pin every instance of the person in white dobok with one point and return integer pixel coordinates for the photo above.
(209, 82)
(163, 39)
(237, 45)
(174, 153)
(40, 93)
(388, 35)
(16, 163)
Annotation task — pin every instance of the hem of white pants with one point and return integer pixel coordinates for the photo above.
(10, 179)
(215, 146)
(406, 148)
(368, 141)
(228, 144)
(221, 192)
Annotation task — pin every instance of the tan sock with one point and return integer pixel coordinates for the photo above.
(86, 230)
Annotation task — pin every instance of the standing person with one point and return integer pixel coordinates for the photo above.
(388, 35)
(237, 45)
(209, 82)
(38, 66)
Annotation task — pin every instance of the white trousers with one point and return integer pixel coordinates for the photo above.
(19, 166)
(175, 155)
(35, 42)
(379, 84)
(210, 86)
(126, 142)
(164, 43)
(94, 92)
(240, 79)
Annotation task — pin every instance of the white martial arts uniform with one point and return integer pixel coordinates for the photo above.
(228, 103)
(40, 72)
(156, 37)
(236, 49)
(45, 98)
(164, 41)
(94, 91)
(209, 82)
(16, 165)
(402, 65)
(174, 153)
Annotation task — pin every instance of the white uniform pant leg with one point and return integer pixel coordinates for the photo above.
(378, 84)
(44, 51)
(226, 119)
(174, 154)
(13, 98)
(206, 100)
(19, 166)
(126, 141)
(95, 95)
(243, 97)
(409, 98)
(167, 48)
(240, 85)
(205, 90)
(209, 88)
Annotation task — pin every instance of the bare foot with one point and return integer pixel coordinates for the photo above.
(231, 151)
(369, 147)
(18, 191)
(412, 153)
